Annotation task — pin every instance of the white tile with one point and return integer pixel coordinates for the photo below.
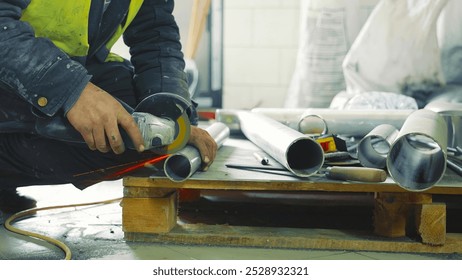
(275, 27)
(241, 97)
(238, 97)
(251, 66)
(288, 60)
(252, 3)
(267, 3)
(238, 26)
(233, 68)
(230, 4)
(269, 97)
(295, 4)
(264, 66)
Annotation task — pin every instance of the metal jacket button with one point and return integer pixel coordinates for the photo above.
(42, 101)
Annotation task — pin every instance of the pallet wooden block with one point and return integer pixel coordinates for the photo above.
(403, 221)
(431, 223)
(156, 212)
(390, 215)
(398, 215)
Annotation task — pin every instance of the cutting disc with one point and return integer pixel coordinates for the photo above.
(182, 133)
(173, 107)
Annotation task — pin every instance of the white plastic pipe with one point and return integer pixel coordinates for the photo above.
(356, 123)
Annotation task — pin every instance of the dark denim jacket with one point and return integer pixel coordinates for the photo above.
(34, 67)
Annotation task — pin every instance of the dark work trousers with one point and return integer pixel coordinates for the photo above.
(29, 159)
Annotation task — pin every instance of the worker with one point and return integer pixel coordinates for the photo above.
(56, 64)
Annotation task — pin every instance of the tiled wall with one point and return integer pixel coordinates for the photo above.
(260, 46)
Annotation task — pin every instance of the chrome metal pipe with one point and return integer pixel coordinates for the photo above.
(332, 121)
(183, 164)
(452, 114)
(299, 153)
(351, 122)
(229, 117)
(374, 147)
(417, 158)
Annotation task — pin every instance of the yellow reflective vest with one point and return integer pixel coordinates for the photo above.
(65, 22)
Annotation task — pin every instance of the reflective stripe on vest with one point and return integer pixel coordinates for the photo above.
(65, 22)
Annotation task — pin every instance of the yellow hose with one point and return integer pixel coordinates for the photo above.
(57, 243)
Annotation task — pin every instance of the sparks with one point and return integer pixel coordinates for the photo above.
(137, 166)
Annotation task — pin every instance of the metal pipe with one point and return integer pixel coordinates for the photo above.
(455, 165)
(374, 147)
(417, 158)
(452, 113)
(351, 122)
(289, 117)
(229, 117)
(332, 121)
(183, 164)
(299, 153)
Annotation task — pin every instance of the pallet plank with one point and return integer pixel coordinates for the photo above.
(293, 238)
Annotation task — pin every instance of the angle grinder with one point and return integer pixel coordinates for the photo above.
(162, 119)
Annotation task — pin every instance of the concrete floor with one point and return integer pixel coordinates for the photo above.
(95, 233)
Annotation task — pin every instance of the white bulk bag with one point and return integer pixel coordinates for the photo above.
(397, 50)
(327, 30)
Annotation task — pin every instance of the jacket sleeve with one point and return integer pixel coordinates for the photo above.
(34, 68)
(155, 49)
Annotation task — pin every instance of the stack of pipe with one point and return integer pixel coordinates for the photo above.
(410, 144)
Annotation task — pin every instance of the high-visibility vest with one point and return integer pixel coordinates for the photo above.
(65, 23)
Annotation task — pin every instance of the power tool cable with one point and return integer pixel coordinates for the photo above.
(68, 254)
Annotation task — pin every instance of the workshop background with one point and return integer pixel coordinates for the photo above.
(255, 53)
(260, 42)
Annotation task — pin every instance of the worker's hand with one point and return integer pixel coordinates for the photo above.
(96, 115)
(207, 147)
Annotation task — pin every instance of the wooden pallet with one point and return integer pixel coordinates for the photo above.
(402, 221)
(294, 238)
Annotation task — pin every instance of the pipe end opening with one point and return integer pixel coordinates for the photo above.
(373, 151)
(177, 168)
(305, 157)
(416, 162)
